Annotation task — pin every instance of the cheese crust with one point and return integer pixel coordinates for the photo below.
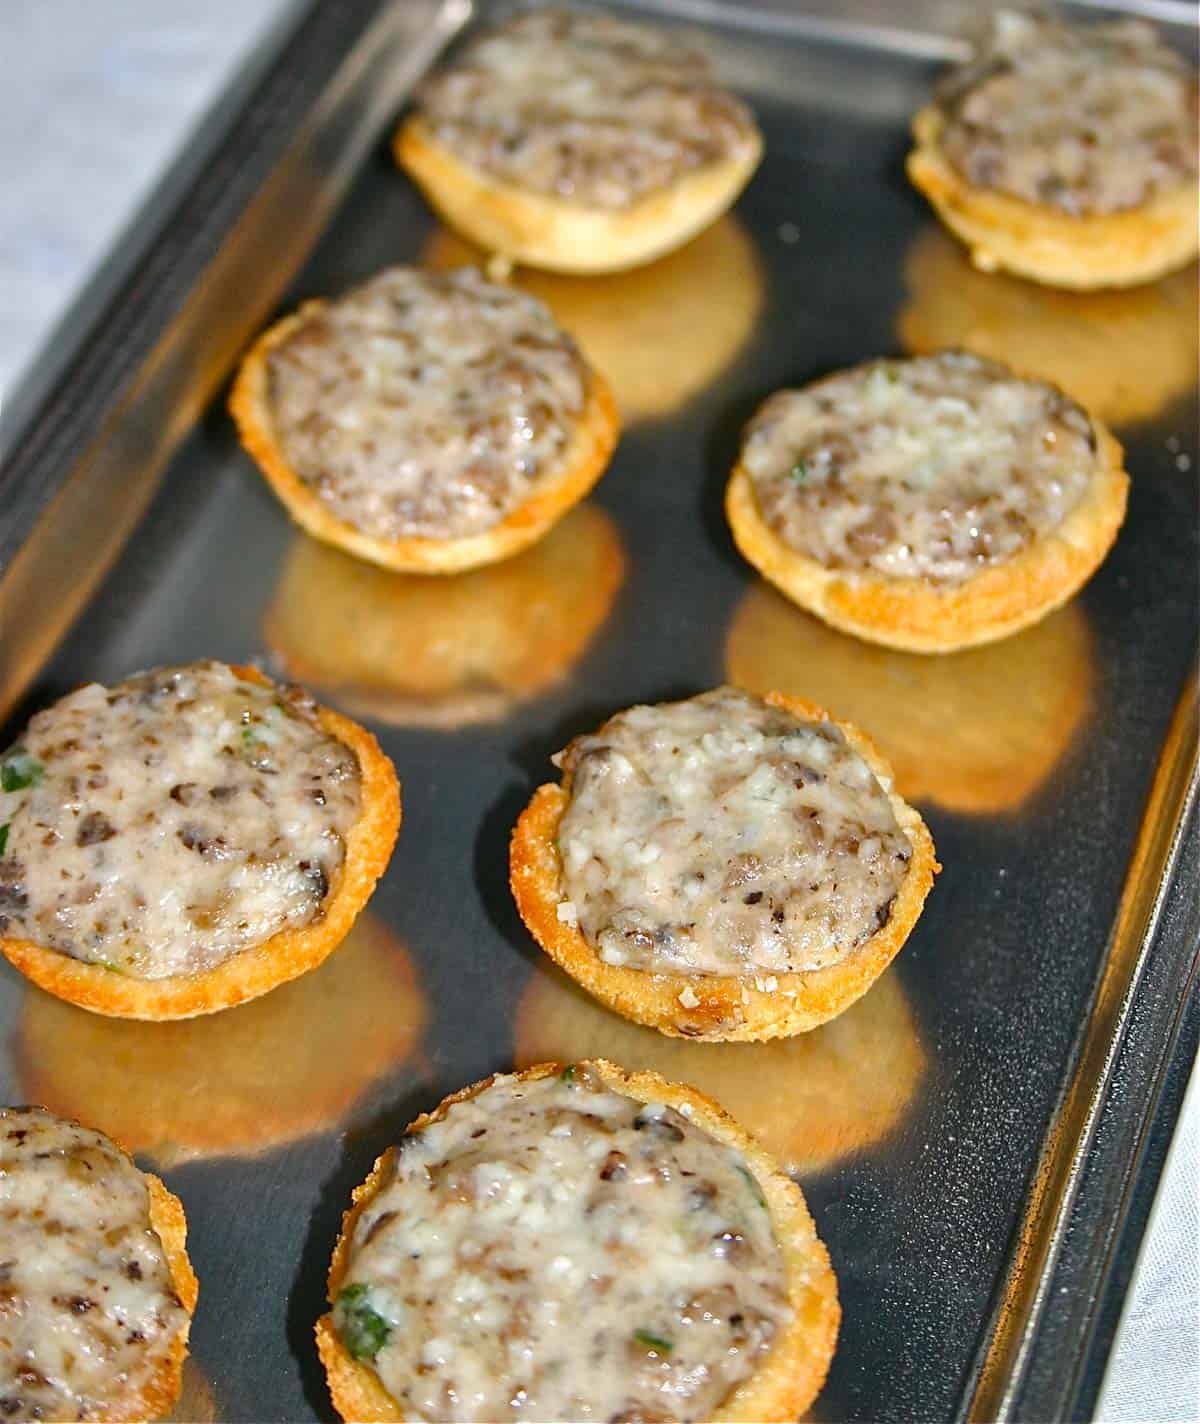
(922, 616)
(1034, 240)
(558, 235)
(716, 1007)
(564, 483)
(794, 1368)
(282, 956)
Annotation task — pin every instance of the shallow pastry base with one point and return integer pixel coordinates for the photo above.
(547, 232)
(256, 970)
(161, 1391)
(794, 1370)
(582, 462)
(927, 618)
(728, 1008)
(1105, 250)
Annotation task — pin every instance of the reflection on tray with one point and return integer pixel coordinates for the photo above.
(445, 651)
(976, 731)
(1122, 354)
(659, 333)
(196, 1404)
(237, 1082)
(811, 1100)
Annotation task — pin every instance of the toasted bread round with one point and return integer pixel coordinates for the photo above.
(564, 483)
(794, 1368)
(923, 616)
(561, 236)
(415, 651)
(237, 1083)
(657, 345)
(978, 731)
(160, 1389)
(283, 956)
(716, 1007)
(1119, 249)
(1124, 355)
(812, 1100)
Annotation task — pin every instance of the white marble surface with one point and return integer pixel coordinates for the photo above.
(98, 97)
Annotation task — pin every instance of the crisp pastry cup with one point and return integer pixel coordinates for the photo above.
(657, 345)
(794, 1369)
(234, 1084)
(978, 731)
(715, 1007)
(924, 617)
(582, 461)
(162, 1390)
(1124, 355)
(261, 967)
(561, 236)
(452, 652)
(1121, 249)
(812, 1100)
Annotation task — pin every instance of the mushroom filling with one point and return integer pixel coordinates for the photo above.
(553, 1249)
(88, 1311)
(932, 468)
(160, 826)
(584, 107)
(1085, 119)
(725, 836)
(423, 405)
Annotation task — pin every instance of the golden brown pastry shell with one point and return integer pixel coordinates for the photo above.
(729, 1008)
(794, 1370)
(261, 967)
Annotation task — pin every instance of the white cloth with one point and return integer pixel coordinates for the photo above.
(98, 95)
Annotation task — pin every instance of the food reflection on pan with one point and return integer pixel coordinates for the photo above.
(811, 1100)
(196, 1403)
(252, 1078)
(976, 731)
(1122, 354)
(410, 650)
(659, 333)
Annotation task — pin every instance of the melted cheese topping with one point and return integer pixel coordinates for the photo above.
(555, 1250)
(426, 405)
(88, 1312)
(161, 826)
(584, 107)
(1088, 119)
(725, 836)
(931, 468)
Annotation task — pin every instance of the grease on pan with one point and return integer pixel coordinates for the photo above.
(253, 1078)
(811, 1100)
(660, 334)
(410, 650)
(976, 731)
(1122, 354)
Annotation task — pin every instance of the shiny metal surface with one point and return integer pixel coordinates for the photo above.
(970, 1135)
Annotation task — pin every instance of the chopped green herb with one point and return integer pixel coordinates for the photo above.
(892, 374)
(799, 472)
(19, 770)
(3, 839)
(568, 1073)
(653, 1342)
(108, 964)
(363, 1331)
(752, 1183)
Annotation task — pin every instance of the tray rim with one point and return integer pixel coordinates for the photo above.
(51, 455)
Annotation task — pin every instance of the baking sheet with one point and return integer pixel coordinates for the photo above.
(939, 1128)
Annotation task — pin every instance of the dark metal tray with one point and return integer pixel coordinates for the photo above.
(979, 1140)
